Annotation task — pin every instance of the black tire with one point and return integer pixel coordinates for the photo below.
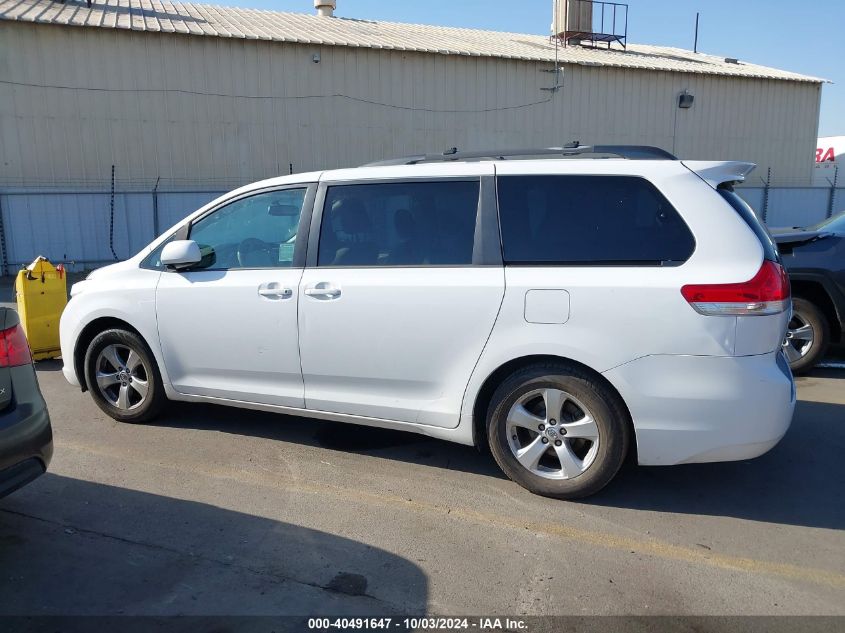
(809, 313)
(605, 407)
(155, 398)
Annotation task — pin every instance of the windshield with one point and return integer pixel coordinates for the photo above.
(833, 223)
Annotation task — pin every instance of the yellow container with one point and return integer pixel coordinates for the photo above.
(41, 293)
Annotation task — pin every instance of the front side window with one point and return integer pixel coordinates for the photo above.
(153, 260)
(399, 224)
(254, 232)
(610, 220)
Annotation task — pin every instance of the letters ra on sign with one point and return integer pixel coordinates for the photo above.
(824, 155)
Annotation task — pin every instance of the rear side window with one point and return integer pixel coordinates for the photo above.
(399, 224)
(770, 250)
(611, 220)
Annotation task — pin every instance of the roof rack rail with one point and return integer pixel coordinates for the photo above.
(631, 152)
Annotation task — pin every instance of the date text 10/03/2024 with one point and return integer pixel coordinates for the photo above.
(417, 624)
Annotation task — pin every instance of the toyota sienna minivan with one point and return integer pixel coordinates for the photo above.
(566, 307)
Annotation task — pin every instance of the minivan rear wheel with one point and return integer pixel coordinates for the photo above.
(558, 431)
(123, 377)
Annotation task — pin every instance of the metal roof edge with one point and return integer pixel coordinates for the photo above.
(223, 29)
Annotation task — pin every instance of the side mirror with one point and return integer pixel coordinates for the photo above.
(181, 254)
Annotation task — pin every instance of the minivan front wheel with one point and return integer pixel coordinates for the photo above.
(122, 376)
(558, 431)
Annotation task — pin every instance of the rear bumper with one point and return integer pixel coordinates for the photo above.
(69, 330)
(689, 409)
(26, 437)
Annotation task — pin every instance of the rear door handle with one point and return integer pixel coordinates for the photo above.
(274, 290)
(322, 290)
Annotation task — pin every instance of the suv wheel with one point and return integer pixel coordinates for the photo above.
(123, 377)
(557, 431)
(807, 336)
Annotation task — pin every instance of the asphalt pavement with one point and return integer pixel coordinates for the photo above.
(218, 511)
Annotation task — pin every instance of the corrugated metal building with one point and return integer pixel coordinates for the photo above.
(205, 97)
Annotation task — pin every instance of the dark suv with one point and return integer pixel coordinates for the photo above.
(815, 259)
(26, 438)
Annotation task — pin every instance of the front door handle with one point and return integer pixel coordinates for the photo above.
(274, 290)
(322, 290)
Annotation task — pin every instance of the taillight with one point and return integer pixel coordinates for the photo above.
(766, 293)
(14, 350)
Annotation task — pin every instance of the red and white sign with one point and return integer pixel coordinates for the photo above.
(830, 149)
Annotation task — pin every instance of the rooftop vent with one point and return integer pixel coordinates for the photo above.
(325, 8)
(590, 22)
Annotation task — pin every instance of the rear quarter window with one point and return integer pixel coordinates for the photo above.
(583, 220)
(770, 249)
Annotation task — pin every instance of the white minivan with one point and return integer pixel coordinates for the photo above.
(565, 308)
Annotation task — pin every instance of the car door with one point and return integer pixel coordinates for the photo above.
(228, 326)
(402, 288)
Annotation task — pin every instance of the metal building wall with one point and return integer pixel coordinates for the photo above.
(75, 227)
(205, 114)
(159, 105)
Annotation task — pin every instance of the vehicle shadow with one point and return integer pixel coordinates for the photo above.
(799, 482)
(51, 364)
(348, 438)
(73, 547)
(824, 372)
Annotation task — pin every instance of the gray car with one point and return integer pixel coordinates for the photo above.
(26, 438)
(815, 260)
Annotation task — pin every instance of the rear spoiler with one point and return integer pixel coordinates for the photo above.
(797, 237)
(716, 173)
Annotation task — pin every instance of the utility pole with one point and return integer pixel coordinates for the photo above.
(695, 46)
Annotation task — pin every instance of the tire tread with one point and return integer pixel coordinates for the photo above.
(157, 398)
(575, 488)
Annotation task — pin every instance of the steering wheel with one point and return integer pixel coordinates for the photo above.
(254, 253)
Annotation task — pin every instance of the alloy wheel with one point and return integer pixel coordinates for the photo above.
(123, 377)
(800, 338)
(552, 434)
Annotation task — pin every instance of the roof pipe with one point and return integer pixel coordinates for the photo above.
(325, 8)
